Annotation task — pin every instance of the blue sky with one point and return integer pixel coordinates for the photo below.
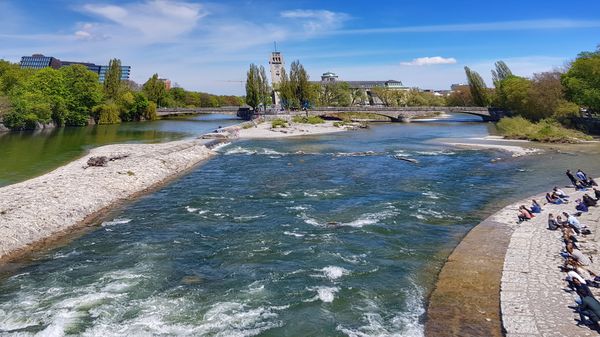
(208, 46)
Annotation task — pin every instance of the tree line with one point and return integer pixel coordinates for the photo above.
(296, 91)
(73, 96)
(557, 94)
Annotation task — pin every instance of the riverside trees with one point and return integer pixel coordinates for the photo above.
(73, 96)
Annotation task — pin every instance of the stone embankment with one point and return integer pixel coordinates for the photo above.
(535, 300)
(50, 206)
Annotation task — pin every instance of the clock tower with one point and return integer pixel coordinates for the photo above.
(276, 64)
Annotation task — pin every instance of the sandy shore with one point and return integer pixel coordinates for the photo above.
(50, 205)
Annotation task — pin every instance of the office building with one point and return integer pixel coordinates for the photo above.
(39, 61)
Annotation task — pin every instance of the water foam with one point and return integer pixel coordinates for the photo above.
(334, 272)
(325, 294)
(117, 221)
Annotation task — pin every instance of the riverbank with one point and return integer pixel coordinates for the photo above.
(264, 130)
(51, 205)
(510, 284)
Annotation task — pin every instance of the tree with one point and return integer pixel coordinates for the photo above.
(460, 96)
(155, 90)
(358, 97)
(334, 94)
(479, 90)
(264, 88)
(385, 95)
(514, 96)
(501, 73)
(300, 86)
(112, 79)
(582, 81)
(545, 95)
(253, 90)
(285, 91)
(83, 92)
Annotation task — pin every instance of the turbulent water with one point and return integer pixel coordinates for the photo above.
(318, 236)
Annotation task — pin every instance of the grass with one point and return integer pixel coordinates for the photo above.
(545, 131)
(349, 116)
(279, 123)
(308, 120)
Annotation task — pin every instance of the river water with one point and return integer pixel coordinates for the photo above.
(27, 154)
(310, 236)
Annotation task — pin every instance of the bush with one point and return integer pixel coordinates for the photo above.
(150, 112)
(547, 131)
(18, 121)
(107, 114)
(565, 111)
(279, 123)
(308, 120)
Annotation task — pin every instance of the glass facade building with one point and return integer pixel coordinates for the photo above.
(125, 72)
(39, 61)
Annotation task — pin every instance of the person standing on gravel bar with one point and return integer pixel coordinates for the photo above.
(571, 177)
(581, 175)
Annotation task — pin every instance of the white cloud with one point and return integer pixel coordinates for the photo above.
(426, 61)
(316, 21)
(155, 19)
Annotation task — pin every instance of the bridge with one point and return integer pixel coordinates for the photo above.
(395, 114)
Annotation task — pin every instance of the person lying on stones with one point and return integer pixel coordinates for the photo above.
(590, 278)
(553, 199)
(580, 205)
(571, 277)
(577, 255)
(524, 214)
(589, 201)
(579, 186)
(535, 207)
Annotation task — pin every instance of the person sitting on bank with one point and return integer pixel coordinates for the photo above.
(535, 207)
(580, 206)
(581, 175)
(591, 279)
(524, 214)
(575, 224)
(589, 307)
(579, 186)
(589, 201)
(582, 289)
(571, 177)
(552, 223)
(597, 194)
(560, 193)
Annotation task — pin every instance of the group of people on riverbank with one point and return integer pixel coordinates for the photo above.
(577, 265)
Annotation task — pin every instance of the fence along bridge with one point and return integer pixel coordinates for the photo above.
(396, 114)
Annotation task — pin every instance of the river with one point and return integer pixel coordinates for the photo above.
(27, 154)
(310, 236)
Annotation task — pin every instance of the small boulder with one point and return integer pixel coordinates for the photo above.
(97, 161)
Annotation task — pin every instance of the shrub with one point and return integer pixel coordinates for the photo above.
(18, 121)
(565, 111)
(107, 114)
(279, 123)
(547, 130)
(150, 112)
(308, 120)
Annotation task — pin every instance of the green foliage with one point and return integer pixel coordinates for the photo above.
(544, 131)
(478, 88)
(460, 97)
(150, 112)
(253, 90)
(279, 123)
(513, 94)
(350, 116)
(582, 81)
(83, 92)
(107, 113)
(565, 111)
(501, 72)
(308, 120)
(334, 94)
(155, 90)
(19, 121)
(112, 79)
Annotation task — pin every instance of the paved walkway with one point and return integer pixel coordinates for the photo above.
(534, 300)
